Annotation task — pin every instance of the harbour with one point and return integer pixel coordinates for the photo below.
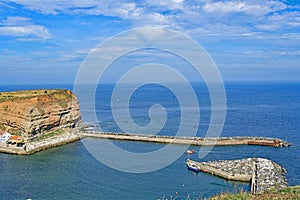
(261, 173)
(69, 137)
(73, 169)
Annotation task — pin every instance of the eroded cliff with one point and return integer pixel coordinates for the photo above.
(34, 112)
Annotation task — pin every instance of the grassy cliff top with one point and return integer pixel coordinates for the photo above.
(292, 192)
(23, 94)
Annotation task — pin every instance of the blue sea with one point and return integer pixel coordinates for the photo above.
(71, 172)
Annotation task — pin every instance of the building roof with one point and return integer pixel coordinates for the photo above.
(14, 137)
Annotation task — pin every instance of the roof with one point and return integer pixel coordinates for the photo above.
(14, 137)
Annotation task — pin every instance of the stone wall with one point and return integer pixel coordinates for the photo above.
(263, 174)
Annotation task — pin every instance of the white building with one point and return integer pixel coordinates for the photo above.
(4, 136)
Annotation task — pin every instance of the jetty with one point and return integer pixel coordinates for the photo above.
(31, 147)
(196, 141)
(11, 149)
(261, 173)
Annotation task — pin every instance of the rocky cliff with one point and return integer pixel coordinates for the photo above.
(34, 112)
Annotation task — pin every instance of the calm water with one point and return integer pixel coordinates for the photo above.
(70, 172)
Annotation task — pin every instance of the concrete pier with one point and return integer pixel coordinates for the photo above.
(263, 174)
(11, 149)
(56, 141)
(197, 141)
(36, 146)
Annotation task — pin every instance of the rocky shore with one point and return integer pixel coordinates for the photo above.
(263, 174)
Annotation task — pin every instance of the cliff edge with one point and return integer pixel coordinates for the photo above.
(32, 112)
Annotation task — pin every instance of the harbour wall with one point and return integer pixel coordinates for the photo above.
(197, 141)
(36, 146)
(65, 138)
(60, 140)
(263, 174)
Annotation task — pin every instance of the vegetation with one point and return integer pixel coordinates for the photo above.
(14, 131)
(2, 127)
(23, 94)
(48, 135)
(286, 193)
(62, 104)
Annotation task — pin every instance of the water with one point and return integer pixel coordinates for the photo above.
(70, 172)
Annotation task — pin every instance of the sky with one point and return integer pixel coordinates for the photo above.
(46, 41)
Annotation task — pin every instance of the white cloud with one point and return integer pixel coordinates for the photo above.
(286, 20)
(254, 8)
(22, 27)
(250, 16)
(165, 5)
(15, 21)
(223, 31)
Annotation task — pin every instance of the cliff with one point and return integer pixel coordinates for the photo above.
(34, 112)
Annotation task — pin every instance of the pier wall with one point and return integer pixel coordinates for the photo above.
(197, 141)
(32, 147)
(263, 174)
(37, 146)
(4, 148)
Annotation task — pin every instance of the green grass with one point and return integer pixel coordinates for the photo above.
(239, 196)
(289, 193)
(48, 135)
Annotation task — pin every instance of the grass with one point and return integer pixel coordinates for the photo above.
(289, 193)
(23, 94)
(48, 135)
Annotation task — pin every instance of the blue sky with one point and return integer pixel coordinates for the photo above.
(45, 41)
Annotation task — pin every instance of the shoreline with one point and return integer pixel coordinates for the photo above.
(69, 137)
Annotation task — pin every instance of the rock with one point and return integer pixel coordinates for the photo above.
(264, 173)
(34, 112)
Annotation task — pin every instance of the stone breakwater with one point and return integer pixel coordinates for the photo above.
(36, 146)
(269, 174)
(263, 174)
(197, 141)
(33, 147)
(68, 137)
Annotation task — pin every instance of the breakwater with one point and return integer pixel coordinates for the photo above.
(7, 148)
(263, 174)
(62, 139)
(197, 141)
(36, 146)
(68, 137)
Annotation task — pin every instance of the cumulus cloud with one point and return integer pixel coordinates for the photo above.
(183, 15)
(22, 27)
(244, 7)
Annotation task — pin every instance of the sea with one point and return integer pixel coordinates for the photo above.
(72, 172)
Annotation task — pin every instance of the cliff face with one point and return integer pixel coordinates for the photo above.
(38, 111)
